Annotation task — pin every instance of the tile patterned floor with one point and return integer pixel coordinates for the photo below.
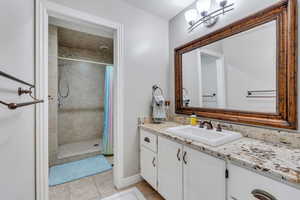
(95, 188)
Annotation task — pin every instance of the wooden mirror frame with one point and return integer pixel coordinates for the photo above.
(285, 15)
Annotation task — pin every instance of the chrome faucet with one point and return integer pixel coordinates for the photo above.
(208, 124)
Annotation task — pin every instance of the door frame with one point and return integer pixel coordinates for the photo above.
(44, 10)
(221, 83)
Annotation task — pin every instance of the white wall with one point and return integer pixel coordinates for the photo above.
(179, 35)
(146, 63)
(244, 74)
(17, 134)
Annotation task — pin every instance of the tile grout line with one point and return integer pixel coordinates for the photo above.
(68, 191)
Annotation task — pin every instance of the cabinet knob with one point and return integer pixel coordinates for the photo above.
(146, 139)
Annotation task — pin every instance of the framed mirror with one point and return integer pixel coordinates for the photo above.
(245, 72)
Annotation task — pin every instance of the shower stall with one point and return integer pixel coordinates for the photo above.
(80, 89)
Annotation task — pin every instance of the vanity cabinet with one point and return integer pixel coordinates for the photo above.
(184, 173)
(148, 159)
(179, 172)
(244, 184)
(170, 169)
(203, 176)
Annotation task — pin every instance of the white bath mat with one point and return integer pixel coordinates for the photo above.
(131, 194)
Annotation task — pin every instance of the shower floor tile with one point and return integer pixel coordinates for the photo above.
(79, 148)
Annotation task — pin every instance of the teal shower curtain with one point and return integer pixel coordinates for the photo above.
(108, 113)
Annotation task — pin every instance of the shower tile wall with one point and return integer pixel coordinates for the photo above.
(80, 118)
(74, 44)
(81, 115)
(53, 70)
(85, 54)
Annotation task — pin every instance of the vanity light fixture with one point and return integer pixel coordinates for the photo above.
(191, 16)
(203, 7)
(222, 3)
(207, 13)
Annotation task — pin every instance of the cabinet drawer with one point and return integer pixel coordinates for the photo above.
(244, 184)
(149, 140)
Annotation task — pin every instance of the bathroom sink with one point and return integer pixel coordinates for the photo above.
(209, 137)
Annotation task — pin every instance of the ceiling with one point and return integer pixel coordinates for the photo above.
(164, 8)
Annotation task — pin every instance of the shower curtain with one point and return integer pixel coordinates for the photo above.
(108, 112)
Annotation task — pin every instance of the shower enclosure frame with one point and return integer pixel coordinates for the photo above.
(44, 10)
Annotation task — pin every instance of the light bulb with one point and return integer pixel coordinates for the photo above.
(191, 16)
(222, 3)
(203, 6)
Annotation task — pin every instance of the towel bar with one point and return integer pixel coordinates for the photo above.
(15, 79)
(13, 106)
(261, 94)
(209, 95)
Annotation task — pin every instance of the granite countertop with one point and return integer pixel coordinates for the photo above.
(277, 161)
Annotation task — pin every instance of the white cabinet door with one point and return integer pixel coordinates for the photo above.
(204, 176)
(169, 169)
(148, 166)
(242, 183)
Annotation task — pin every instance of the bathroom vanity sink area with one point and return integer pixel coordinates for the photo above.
(181, 168)
(222, 76)
(209, 137)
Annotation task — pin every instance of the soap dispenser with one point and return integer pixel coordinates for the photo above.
(193, 119)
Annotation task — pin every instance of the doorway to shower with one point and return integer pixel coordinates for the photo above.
(44, 13)
(80, 85)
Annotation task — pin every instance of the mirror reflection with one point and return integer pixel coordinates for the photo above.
(236, 73)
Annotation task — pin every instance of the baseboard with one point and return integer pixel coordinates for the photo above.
(125, 182)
